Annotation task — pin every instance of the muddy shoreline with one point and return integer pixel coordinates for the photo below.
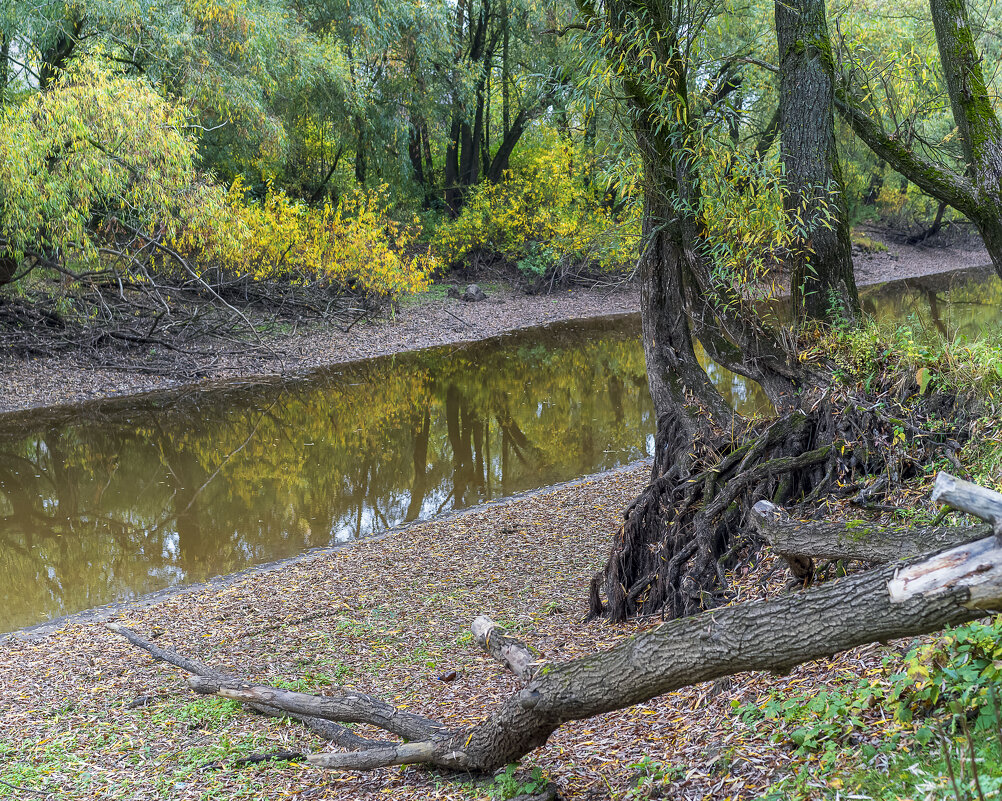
(428, 321)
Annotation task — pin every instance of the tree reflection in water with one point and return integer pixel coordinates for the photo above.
(117, 499)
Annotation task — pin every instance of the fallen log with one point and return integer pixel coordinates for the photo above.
(824, 539)
(327, 729)
(915, 597)
(983, 503)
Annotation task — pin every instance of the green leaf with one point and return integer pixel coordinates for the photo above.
(923, 377)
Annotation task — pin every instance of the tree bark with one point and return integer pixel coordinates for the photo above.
(983, 503)
(823, 539)
(822, 280)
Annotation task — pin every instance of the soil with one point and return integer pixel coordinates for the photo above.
(428, 320)
(955, 248)
(84, 715)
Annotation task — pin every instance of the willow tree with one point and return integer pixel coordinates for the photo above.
(710, 465)
(822, 278)
(975, 188)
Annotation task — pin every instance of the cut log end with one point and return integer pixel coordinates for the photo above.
(521, 659)
(964, 496)
(976, 567)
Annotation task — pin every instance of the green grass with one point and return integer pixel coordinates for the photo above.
(937, 708)
(867, 243)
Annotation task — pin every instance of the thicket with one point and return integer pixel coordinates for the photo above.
(327, 147)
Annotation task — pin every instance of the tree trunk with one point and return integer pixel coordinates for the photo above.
(56, 56)
(453, 191)
(822, 280)
(978, 192)
(361, 165)
(666, 557)
(907, 599)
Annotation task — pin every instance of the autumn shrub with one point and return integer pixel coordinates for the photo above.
(353, 247)
(102, 171)
(543, 215)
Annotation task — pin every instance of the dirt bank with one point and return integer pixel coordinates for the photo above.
(428, 320)
(888, 257)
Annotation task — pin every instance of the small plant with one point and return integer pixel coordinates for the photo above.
(508, 785)
(650, 777)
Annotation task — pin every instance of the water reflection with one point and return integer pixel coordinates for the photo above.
(964, 303)
(119, 499)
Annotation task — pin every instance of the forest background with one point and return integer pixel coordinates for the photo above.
(235, 150)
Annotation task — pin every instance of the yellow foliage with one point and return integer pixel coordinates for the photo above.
(354, 246)
(747, 228)
(540, 214)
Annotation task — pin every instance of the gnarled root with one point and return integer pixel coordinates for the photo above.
(688, 526)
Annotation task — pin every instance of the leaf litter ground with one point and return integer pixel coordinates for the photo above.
(85, 715)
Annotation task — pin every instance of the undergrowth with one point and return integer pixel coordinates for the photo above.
(926, 724)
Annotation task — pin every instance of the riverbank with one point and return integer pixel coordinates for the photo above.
(83, 715)
(426, 320)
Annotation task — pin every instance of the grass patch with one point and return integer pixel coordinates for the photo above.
(867, 243)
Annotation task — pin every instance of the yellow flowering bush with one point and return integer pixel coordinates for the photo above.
(540, 215)
(354, 246)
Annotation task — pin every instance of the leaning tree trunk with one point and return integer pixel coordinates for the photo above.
(910, 598)
(977, 192)
(822, 280)
(667, 555)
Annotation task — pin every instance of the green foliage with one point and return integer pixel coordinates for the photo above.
(869, 350)
(824, 725)
(748, 230)
(651, 777)
(891, 732)
(542, 215)
(508, 784)
(959, 671)
(97, 152)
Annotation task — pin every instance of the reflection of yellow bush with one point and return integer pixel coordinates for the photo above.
(354, 246)
(541, 214)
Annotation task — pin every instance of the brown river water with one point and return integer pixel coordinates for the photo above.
(112, 500)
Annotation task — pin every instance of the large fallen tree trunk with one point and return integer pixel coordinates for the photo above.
(913, 597)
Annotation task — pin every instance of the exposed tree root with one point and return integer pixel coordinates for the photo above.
(689, 525)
